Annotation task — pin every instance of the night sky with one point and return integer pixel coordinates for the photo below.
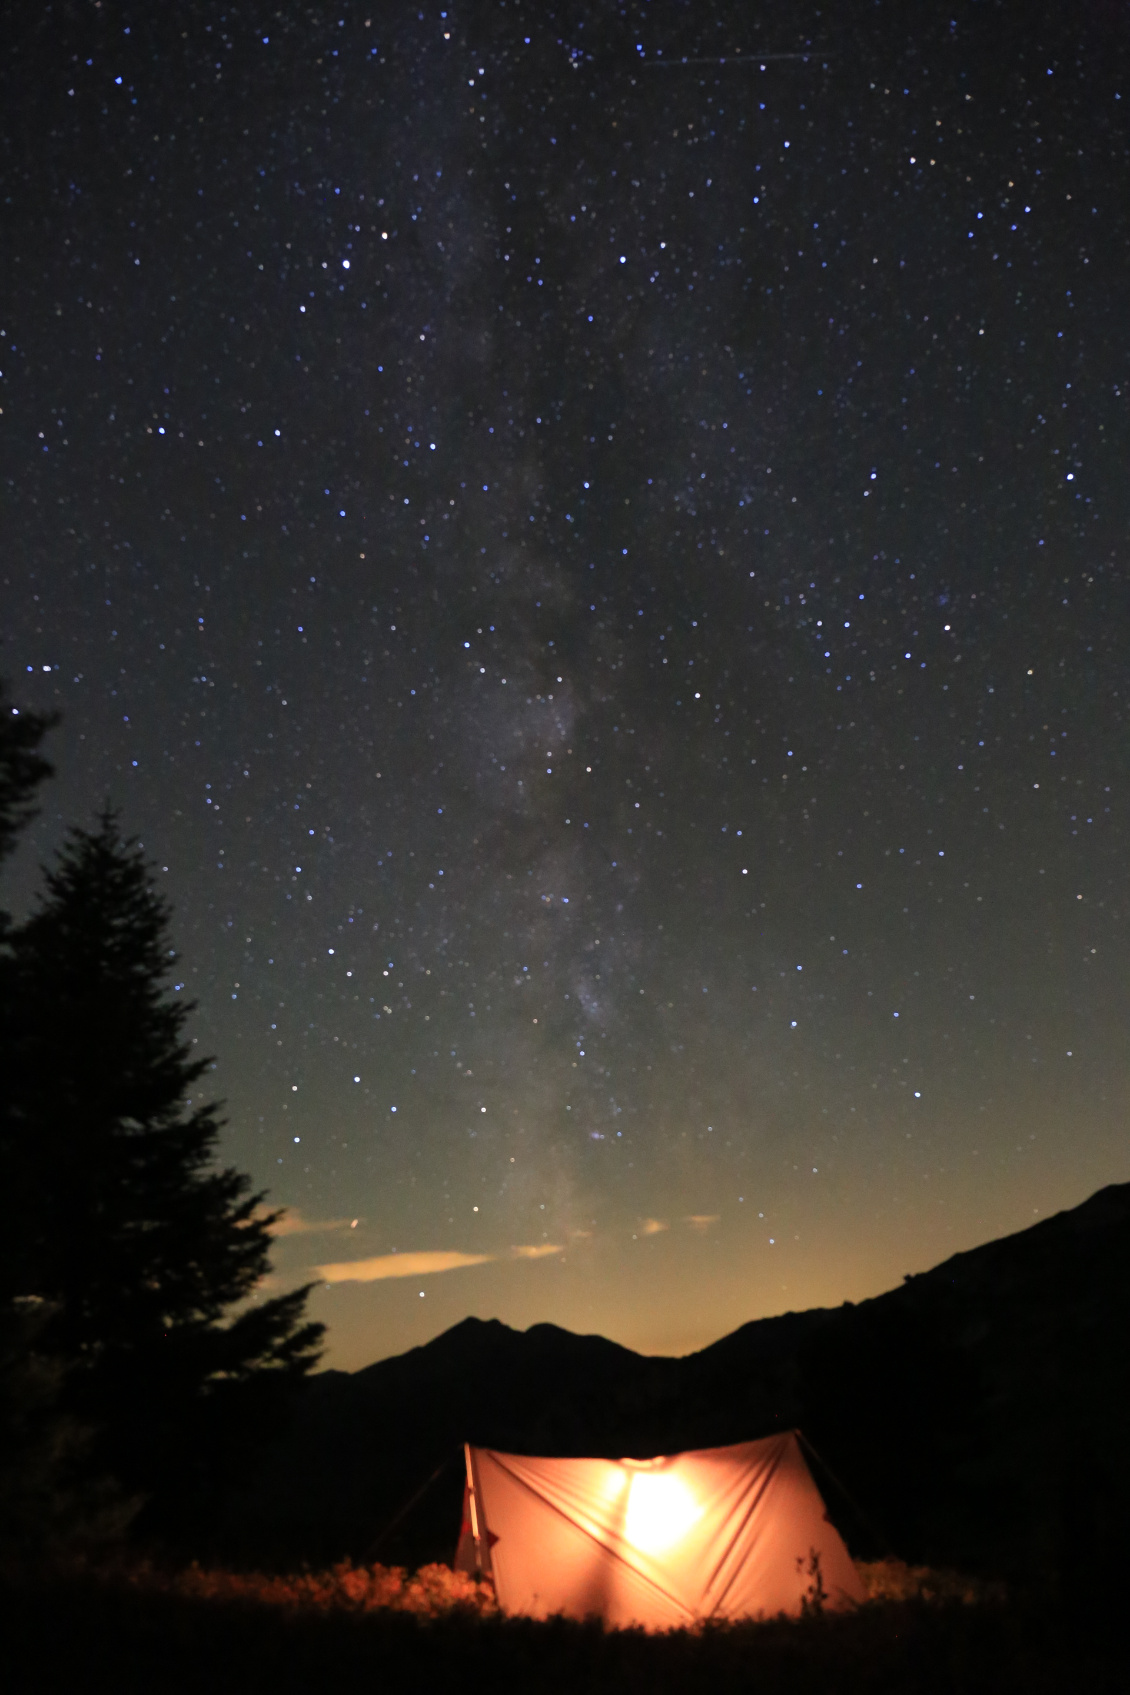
(599, 577)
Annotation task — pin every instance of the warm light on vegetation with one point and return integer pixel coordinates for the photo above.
(430, 1592)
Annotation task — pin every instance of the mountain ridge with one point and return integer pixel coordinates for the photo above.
(976, 1412)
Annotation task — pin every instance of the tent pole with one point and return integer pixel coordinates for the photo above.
(473, 1504)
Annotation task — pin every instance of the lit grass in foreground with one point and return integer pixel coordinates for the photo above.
(434, 1591)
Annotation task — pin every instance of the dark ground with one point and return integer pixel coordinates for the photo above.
(78, 1634)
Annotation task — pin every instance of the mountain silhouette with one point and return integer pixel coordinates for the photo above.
(974, 1417)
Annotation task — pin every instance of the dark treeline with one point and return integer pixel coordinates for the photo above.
(138, 1368)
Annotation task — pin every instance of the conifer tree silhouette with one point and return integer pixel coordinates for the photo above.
(123, 1225)
(43, 1497)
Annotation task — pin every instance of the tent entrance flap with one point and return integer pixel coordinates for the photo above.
(716, 1533)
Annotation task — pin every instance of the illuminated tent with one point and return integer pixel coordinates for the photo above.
(719, 1533)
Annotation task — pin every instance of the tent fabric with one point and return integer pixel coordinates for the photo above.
(721, 1533)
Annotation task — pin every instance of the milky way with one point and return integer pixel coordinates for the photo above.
(594, 563)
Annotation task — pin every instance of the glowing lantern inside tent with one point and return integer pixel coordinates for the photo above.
(661, 1509)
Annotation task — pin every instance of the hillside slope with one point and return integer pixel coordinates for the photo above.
(975, 1416)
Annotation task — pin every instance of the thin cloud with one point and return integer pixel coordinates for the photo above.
(536, 1251)
(702, 1220)
(397, 1265)
(292, 1223)
(652, 1226)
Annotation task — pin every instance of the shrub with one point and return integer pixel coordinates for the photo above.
(894, 1580)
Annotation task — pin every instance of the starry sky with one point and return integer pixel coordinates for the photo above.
(588, 541)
